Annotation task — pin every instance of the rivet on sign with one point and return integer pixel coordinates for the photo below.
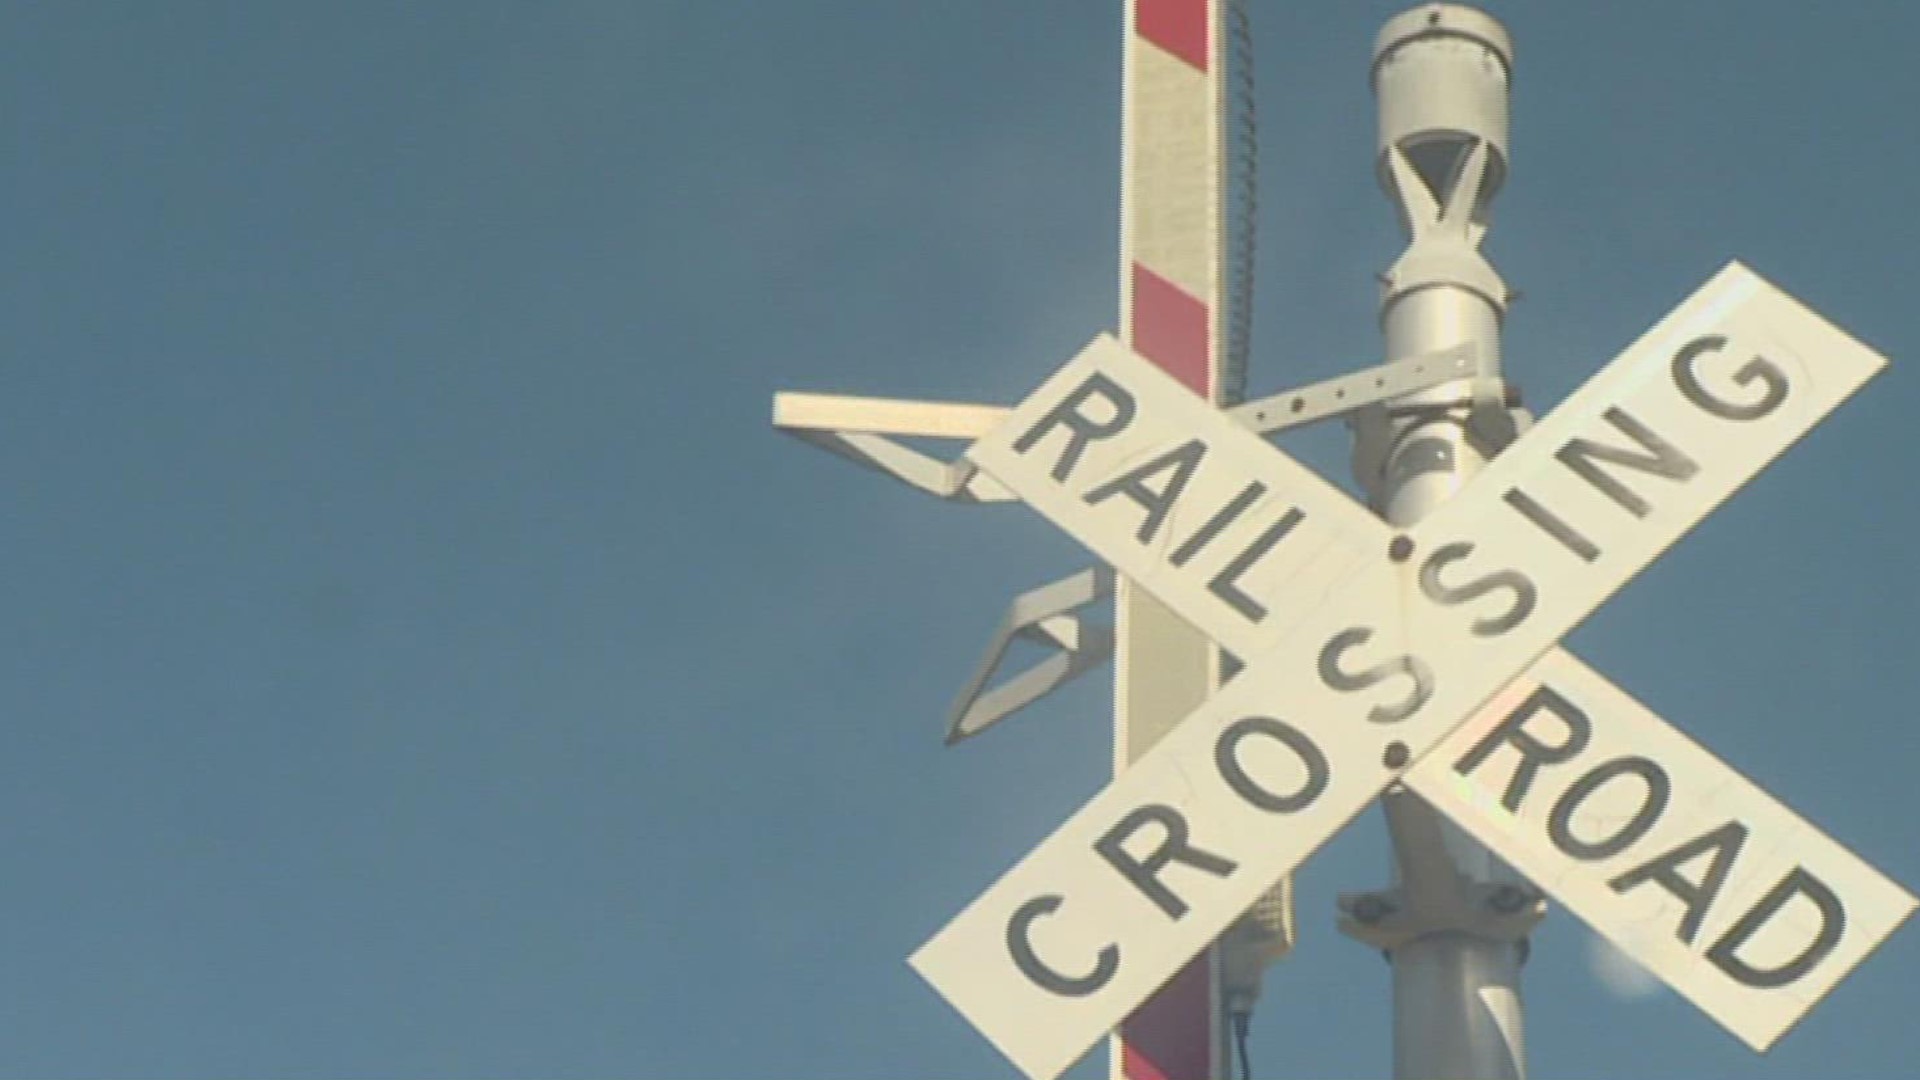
(1400, 548)
(1508, 899)
(1396, 755)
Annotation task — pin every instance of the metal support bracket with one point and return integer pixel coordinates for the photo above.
(1349, 393)
(1044, 616)
(1490, 431)
(1386, 920)
(1489, 428)
(1433, 896)
(866, 430)
(1444, 245)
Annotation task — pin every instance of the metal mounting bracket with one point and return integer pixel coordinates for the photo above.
(866, 430)
(1490, 431)
(1387, 920)
(863, 430)
(1347, 393)
(1043, 615)
(1433, 895)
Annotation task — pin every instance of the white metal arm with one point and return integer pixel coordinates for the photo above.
(863, 430)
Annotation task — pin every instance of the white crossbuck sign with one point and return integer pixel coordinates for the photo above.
(1425, 657)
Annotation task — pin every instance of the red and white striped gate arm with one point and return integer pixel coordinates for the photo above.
(1174, 246)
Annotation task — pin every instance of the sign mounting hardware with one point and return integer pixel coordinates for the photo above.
(1421, 655)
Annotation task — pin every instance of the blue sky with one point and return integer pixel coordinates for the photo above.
(421, 658)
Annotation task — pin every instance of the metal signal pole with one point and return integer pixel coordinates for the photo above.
(1441, 76)
(1456, 921)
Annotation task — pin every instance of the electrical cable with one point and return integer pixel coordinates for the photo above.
(1241, 1019)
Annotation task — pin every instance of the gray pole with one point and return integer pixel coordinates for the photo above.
(1453, 925)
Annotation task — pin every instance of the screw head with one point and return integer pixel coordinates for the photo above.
(1508, 899)
(1400, 548)
(1368, 910)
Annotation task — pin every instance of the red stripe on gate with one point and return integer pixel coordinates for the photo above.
(1178, 26)
(1170, 1036)
(1170, 329)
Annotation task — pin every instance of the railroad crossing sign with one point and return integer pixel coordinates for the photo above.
(1424, 657)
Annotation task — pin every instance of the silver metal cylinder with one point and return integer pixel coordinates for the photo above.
(1482, 1038)
(1439, 317)
(1457, 1011)
(1441, 74)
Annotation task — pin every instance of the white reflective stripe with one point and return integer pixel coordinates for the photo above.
(1173, 169)
(1481, 766)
